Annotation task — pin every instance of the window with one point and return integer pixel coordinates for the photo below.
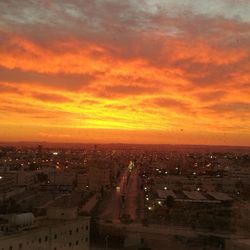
(87, 228)
(20, 246)
(77, 229)
(55, 236)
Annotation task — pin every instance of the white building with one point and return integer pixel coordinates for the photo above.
(61, 230)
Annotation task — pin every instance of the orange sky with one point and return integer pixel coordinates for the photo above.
(146, 71)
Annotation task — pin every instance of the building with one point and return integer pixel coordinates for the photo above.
(17, 178)
(99, 175)
(63, 177)
(6, 182)
(62, 229)
(82, 180)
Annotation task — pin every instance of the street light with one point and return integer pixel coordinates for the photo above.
(106, 241)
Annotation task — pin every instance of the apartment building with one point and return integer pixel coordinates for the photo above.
(62, 229)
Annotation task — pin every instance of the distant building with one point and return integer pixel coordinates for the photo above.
(99, 175)
(17, 178)
(63, 177)
(7, 182)
(82, 180)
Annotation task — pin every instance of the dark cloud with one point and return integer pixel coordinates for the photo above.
(211, 95)
(126, 90)
(169, 103)
(72, 82)
(89, 102)
(132, 108)
(129, 33)
(6, 88)
(235, 108)
(51, 97)
(32, 111)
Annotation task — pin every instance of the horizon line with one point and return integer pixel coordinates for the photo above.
(122, 143)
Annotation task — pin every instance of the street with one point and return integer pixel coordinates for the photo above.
(124, 199)
(131, 202)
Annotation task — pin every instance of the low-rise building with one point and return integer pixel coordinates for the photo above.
(61, 229)
(99, 175)
(82, 180)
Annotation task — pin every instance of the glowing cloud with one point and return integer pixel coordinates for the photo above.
(125, 71)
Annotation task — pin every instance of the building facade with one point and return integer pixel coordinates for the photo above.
(61, 230)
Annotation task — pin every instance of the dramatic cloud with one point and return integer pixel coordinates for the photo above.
(51, 97)
(176, 71)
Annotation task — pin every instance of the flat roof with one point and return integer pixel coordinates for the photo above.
(194, 195)
(220, 196)
(163, 194)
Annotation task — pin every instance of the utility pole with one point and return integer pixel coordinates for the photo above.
(106, 241)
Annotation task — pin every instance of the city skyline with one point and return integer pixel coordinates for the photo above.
(150, 72)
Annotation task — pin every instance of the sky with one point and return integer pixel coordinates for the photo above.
(134, 71)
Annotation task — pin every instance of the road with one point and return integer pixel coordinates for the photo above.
(172, 230)
(113, 207)
(128, 184)
(131, 201)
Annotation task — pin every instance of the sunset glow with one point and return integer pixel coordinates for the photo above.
(146, 71)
